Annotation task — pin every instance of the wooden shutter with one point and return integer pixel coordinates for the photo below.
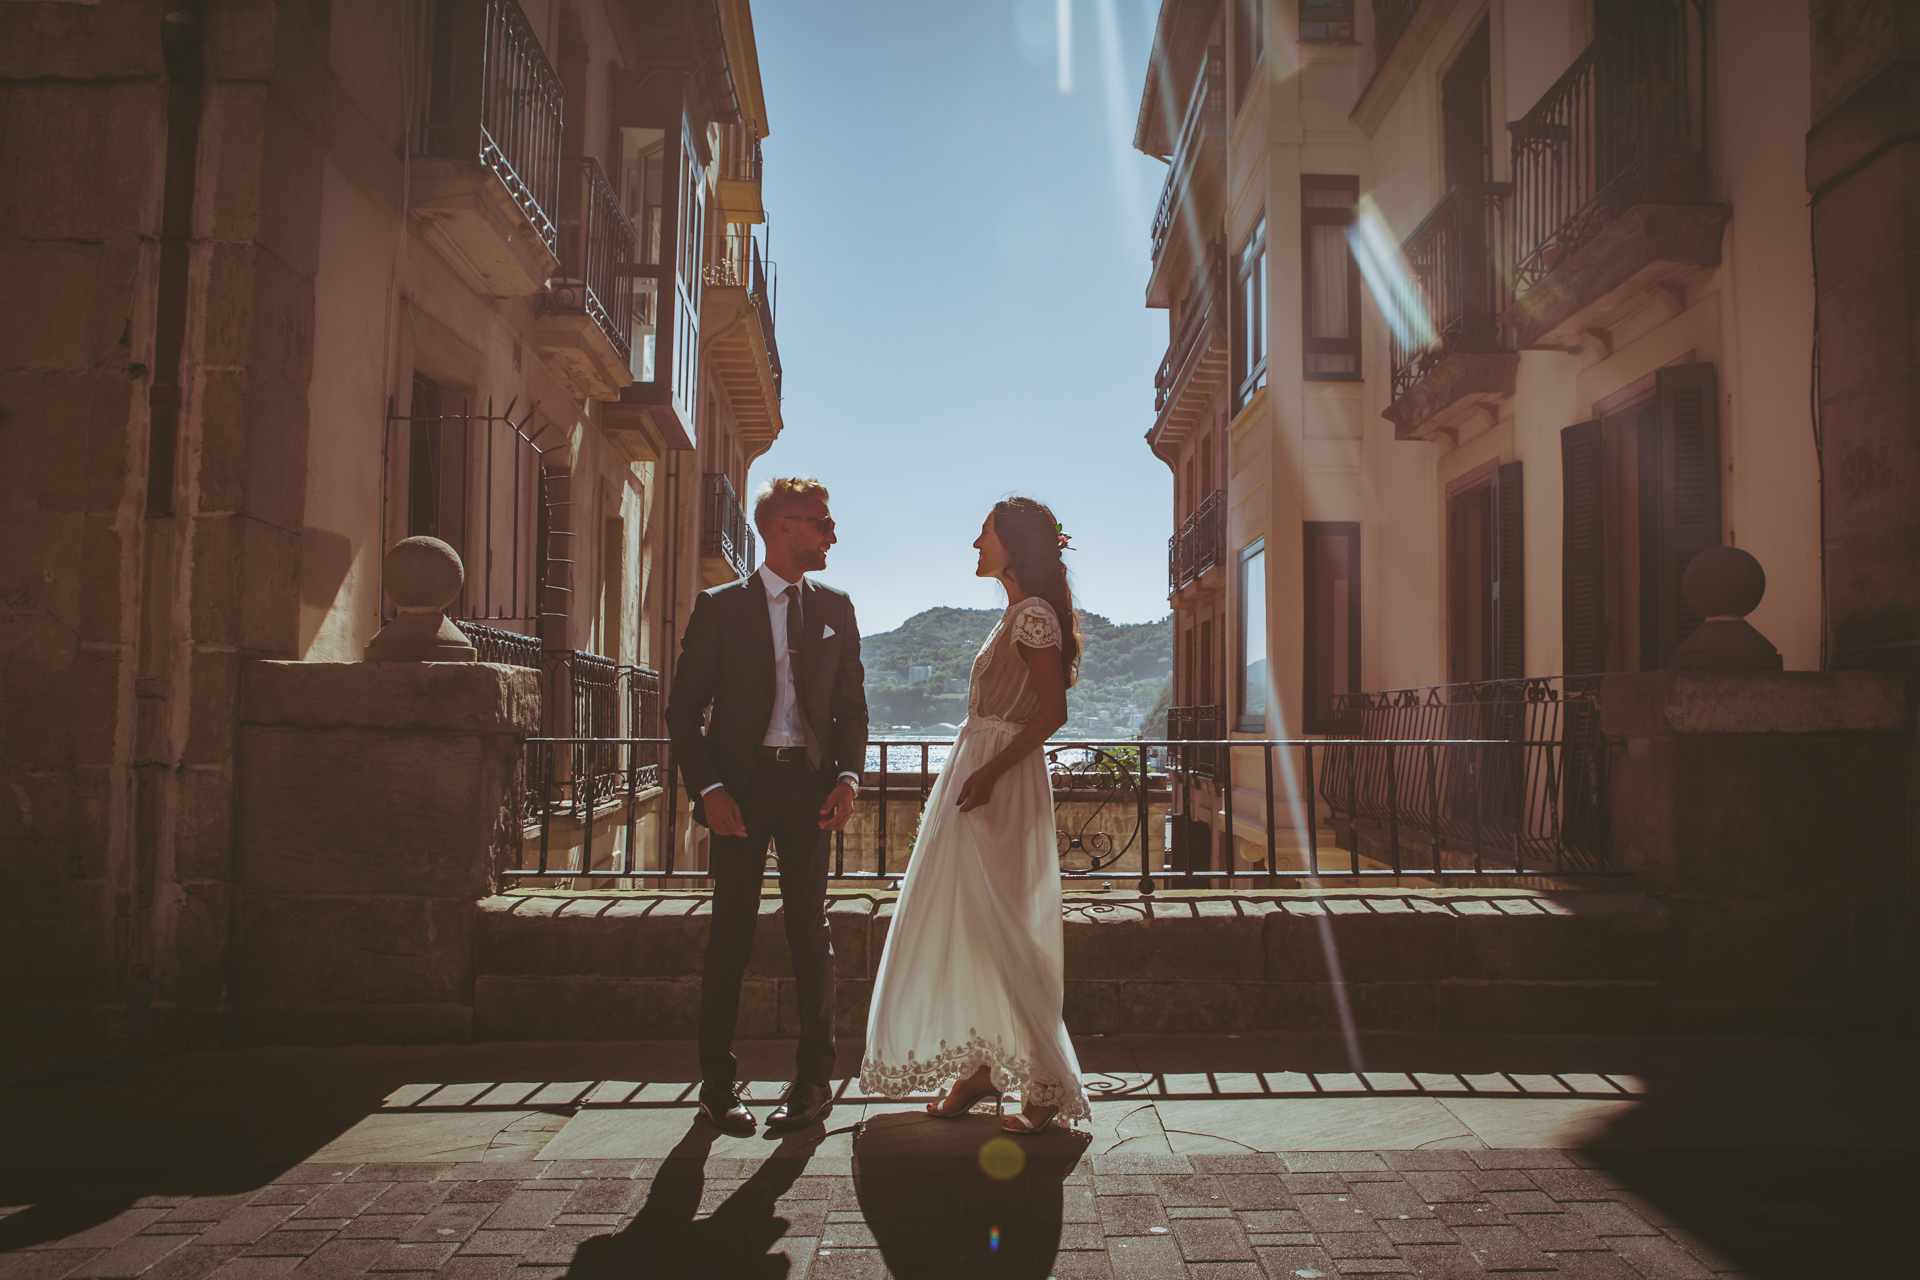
(1583, 560)
(1509, 577)
(1685, 519)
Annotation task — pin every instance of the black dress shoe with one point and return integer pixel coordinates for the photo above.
(804, 1104)
(725, 1112)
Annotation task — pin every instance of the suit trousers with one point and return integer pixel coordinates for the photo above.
(780, 803)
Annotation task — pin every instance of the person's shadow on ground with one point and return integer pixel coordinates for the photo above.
(665, 1239)
(961, 1198)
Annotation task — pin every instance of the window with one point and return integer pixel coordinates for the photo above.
(1249, 318)
(1326, 21)
(1332, 664)
(1330, 277)
(1253, 638)
(1209, 696)
(1485, 605)
(1466, 111)
(1249, 44)
(1642, 498)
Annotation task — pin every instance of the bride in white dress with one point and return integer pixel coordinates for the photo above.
(971, 982)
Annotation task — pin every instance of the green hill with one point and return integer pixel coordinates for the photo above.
(1123, 670)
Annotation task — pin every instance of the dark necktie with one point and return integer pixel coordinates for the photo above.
(792, 594)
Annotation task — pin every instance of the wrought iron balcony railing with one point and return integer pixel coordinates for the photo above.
(1206, 309)
(725, 530)
(495, 100)
(597, 248)
(1624, 126)
(1205, 724)
(1457, 256)
(1199, 544)
(1534, 790)
(1390, 19)
(495, 644)
(1206, 117)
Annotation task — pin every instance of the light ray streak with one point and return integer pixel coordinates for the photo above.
(1063, 37)
(1119, 125)
(1403, 301)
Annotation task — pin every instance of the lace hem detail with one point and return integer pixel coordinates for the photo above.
(1010, 1073)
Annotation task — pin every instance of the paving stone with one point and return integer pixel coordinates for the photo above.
(1303, 1239)
(1496, 1158)
(400, 1171)
(848, 1264)
(1076, 1266)
(43, 1264)
(129, 1258)
(1130, 1215)
(1334, 1213)
(1289, 1261)
(207, 1208)
(105, 1235)
(341, 1258)
(343, 1201)
(509, 1244)
(449, 1224)
(1269, 1221)
(1648, 1211)
(605, 1169)
(517, 1170)
(1312, 1183)
(1522, 1202)
(605, 1195)
(244, 1268)
(1141, 1164)
(1427, 1160)
(1225, 1271)
(1251, 1162)
(1500, 1180)
(1502, 1248)
(291, 1194)
(1081, 1235)
(1254, 1191)
(1390, 1200)
(1123, 1184)
(1611, 1219)
(1145, 1258)
(1333, 1161)
(1373, 1266)
(192, 1262)
(1196, 1211)
(1659, 1258)
(1468, 1215)
(286, 1244)
(848, 1235)
(410, 1256)
(1442, 1262)
(244, 1226)
(462, 1268)
(1211, 1240)
(1595, 1266)
(1434, 1188)
(380, 1226)
(1190, 1189)
(319, 1174)
(1558, 1232)
(1702, 1248)
(1569, 1185)
(1427, 1230)
(168, 1227)
(1357, 1244)
(297, 1223)
(528, 1210)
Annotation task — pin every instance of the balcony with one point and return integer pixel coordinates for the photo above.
(1197, 724)
(1610, 182)
(1199, 545)
(1198, 163)
(585, 319)
(738, 189)
(485, 189)
(1451, 354)
(1195, 365)
(726, 534)
(737, 344)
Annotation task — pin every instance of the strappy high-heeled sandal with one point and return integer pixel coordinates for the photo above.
(938, 1111)
(1018, 1122)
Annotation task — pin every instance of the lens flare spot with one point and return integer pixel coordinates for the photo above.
(1002, 1158)
(993, 1239)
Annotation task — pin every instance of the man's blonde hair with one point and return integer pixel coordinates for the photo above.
(784, 497)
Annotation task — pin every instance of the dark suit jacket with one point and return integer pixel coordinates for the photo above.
(726, 663)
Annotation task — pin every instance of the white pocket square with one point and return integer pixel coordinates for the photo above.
(825, 632)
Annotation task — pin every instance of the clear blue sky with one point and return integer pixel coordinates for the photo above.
(962, 254)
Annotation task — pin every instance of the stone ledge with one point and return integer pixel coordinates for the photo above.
(1666, 704)
(419, 697)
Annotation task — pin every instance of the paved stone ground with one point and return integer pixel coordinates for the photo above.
(228, 1165)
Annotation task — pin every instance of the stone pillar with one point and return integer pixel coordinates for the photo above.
(378, 803)
(1863, 170)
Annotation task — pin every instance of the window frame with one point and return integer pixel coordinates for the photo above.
(1312, 216)
(1248, 320)
(1335, 37)
(1311, 718)
(1248, 56)
(1244, 722)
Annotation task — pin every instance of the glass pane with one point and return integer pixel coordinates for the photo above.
(1327, 282)
(1333, 588)
(1253, 637)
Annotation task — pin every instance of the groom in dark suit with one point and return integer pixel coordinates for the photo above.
(776, 659)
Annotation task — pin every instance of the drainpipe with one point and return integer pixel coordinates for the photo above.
(667, 618)
(181, 37)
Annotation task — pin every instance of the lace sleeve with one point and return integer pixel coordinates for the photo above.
(1037, 627)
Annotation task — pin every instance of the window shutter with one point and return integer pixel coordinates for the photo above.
(1509, 577)
(1583, 565)
(1686, 515)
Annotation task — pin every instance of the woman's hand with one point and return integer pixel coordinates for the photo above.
(976, 790)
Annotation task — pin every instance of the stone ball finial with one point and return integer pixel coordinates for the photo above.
(1723, 585)
(422, 577)
(1724, 582)
(423, 573)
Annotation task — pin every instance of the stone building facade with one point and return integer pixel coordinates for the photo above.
(309, 278)
(1485, 317)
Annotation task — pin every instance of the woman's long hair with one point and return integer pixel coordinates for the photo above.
(1031, 536)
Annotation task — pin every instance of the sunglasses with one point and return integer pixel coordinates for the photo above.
(822, 523)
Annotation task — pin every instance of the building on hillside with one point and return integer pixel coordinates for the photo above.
(314, 278)
(1484, 317)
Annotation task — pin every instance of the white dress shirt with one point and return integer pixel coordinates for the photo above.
(784, 728)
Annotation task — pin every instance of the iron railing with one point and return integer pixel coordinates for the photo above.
(508, 648)
(1199, 544)
(582, 702)
(1205, 118)
(495, 100)
(1205, 317)
(762, 289)
(1625, 125)
(1533, 792)
(597, 248)
(725, 530)
(601, 746)
(740, 159)
(1390, 19)
(1456, 255)
(1204, 725)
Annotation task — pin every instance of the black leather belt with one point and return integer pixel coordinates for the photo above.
(785, 755)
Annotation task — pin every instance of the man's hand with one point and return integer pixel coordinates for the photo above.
(838, 808)
(723, 815)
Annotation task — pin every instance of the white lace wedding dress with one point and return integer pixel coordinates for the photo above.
(972, 971)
